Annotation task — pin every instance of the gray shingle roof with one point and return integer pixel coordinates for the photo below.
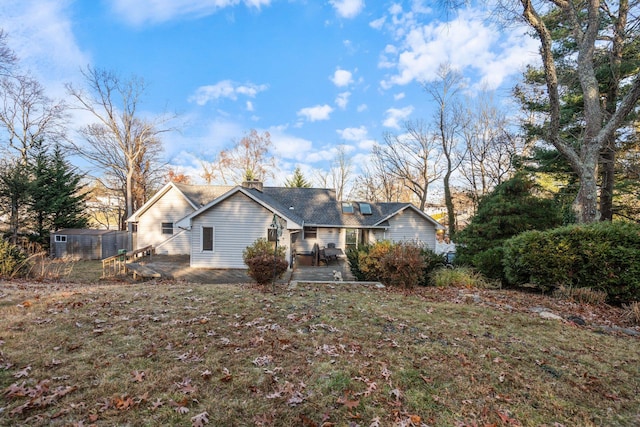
(200, 195)
(309, 206)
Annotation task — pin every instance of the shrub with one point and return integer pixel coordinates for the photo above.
(512, 208)
(12, 260)
(353, 256)
(432, 262)
(602, 256)
(370, 263)
(265, 265)
(402, 265)
(458, 277)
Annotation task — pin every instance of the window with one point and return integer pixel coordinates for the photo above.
(60, 238)
(310, 232)
(207, 239)
(347, 208)
(167, 228)
(365, 208)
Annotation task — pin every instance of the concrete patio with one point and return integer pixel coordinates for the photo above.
(177, 267)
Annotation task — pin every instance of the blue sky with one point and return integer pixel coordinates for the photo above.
(315, 74)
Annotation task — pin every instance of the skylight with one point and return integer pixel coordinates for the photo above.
(365, 208)
(347, 208)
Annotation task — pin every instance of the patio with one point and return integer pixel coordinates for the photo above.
(177, 267)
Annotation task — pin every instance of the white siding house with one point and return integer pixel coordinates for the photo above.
(229, 239)
(156, 223)
(409, 225)
(214, 224)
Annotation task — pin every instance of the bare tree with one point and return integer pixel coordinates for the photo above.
(8, 57)
(341, 172)
(412, 157)
(490, 147)
(120, 143)
(27, 115)
(584, 24)
(376, 184)
(449, 120)
(249, 158)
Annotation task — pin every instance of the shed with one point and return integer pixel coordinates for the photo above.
(88, 243)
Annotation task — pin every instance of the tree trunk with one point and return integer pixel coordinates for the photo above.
(607, 164)
(586, 203)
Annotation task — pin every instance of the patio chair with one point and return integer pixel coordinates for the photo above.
(331, 245)
(322, 257)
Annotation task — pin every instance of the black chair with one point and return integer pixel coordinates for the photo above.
(322, 257)
(331, 245)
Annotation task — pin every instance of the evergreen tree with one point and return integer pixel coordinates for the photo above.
(512, 208)
(297, 180)
(14, 193)
(57, 198)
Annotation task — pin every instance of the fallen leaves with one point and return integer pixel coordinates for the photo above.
(138, 376)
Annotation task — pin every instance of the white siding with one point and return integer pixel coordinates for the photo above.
(408, 225)
(171, 207)
(324, 237)
(238, 222)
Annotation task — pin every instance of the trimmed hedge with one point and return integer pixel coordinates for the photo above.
(602, 256)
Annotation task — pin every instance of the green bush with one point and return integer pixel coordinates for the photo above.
(432, 262)
(603, 256)
(265, 265)
(353, 256)
(515, 206)
(12, 260)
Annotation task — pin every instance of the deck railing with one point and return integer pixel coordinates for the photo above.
(116, 265)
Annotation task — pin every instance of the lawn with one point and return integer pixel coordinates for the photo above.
(166, 353)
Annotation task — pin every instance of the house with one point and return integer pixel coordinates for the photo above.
(214, 224)
(87, 244)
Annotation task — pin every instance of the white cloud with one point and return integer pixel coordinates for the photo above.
(399, 96)
(155, 11)
(343, 99)
(396, 115)
(348, 8)
(225, 89)
(467, 42)
(367, 144)
(250, 106)
(287, 146)
(342, 78)
(378, 23)
(318, 112)
(353, 134)
(41, 34)
(361, 108)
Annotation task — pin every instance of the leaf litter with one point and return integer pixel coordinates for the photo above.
(316, 355)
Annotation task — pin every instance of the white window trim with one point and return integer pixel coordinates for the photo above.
(213, 238)
(61, 238)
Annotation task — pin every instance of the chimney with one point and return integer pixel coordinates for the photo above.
(253, 184)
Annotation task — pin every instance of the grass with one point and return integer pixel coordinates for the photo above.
(317, 355)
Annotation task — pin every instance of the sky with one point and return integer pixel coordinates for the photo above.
(315, 74)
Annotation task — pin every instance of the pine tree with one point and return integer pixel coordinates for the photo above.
(57, 197)
(297, 180)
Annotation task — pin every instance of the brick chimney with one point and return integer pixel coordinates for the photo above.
(253, 184)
